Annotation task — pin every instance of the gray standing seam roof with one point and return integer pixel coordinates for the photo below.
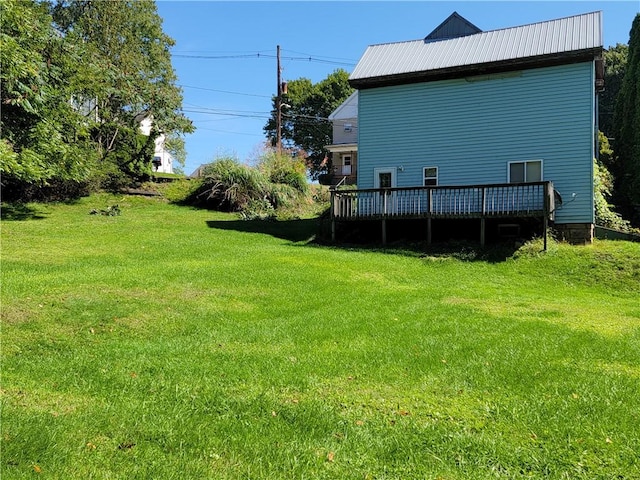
(551, 38)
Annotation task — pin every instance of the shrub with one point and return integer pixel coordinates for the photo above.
(282, 169)
(602, 186)
(230, 185)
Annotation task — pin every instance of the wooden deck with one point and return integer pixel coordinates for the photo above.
(508, 200)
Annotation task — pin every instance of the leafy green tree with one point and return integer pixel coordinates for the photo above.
(627, 121)
(305, 125)
(132, 74)
(615, 66)
(76, 79)
(603, 184)
(43, 136)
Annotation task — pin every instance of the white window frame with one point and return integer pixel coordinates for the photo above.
(524, 162)
(424, 176)
(378, 171)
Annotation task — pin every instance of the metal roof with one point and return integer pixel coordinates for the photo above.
(553, 38)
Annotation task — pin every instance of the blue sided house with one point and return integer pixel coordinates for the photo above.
(496, 127)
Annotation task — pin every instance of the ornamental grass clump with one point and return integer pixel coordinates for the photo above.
(277, 182)
(230, 185)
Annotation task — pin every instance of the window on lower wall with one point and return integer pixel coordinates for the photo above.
(523, 172)
(430, 176)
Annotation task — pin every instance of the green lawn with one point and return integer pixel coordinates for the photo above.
(176, 343)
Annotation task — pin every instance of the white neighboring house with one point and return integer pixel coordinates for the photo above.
(344, 149)
(162, 159)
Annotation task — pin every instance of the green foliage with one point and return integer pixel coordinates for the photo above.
(282, 169)
(44, 138)
(76, 79)
(305, 125)
(110, 211)
(603, 185)
(231, 185)
(277, 183)
(134, 154)
(615, 66)
(627, 121)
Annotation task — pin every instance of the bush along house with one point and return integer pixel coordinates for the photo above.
(498, 128)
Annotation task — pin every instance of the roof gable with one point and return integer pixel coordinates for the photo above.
(347, 109)
(562, 41)
(454, 26)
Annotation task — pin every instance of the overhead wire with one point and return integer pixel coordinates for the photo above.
(265, 55)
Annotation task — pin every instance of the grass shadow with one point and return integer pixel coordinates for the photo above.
(299, 230)
(465, 251)
(305, 230)
(20, 212)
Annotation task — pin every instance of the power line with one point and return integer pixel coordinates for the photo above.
(231, 133)
(264, 55)
(228, 114)
(226, 91)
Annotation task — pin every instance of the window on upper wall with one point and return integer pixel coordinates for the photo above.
(348, 127)
(430, 176)
(525, 172)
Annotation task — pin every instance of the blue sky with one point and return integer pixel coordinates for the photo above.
(225, 51)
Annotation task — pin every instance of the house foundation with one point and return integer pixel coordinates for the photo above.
(575, 233)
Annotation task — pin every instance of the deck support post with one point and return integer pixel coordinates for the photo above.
(482, 231)
(428, 230)
(384, 231)
(333, 216)
(545, 225)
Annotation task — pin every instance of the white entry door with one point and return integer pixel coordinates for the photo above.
(384, 178)
(346, 165)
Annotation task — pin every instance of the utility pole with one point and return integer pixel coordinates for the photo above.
(279, 106)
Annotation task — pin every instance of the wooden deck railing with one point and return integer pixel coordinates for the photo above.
(476, 201)
(505, 200)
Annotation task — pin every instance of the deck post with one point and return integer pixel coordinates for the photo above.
(428, 230)
(482, 231)
(384, 231)
(333, 216)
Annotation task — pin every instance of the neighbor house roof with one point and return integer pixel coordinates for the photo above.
(563, 40)
(347, 109)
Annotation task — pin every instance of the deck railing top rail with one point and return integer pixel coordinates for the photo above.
(441, 187)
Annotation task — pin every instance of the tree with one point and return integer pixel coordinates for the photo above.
(305, 124)
(615, 66)
(134, 78)
(627, 121)
(76, 79)
(43, 137)
(603, 184)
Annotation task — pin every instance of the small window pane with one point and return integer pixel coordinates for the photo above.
(385, 180)
(516, 172)
(430, 176)
(534, 172)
